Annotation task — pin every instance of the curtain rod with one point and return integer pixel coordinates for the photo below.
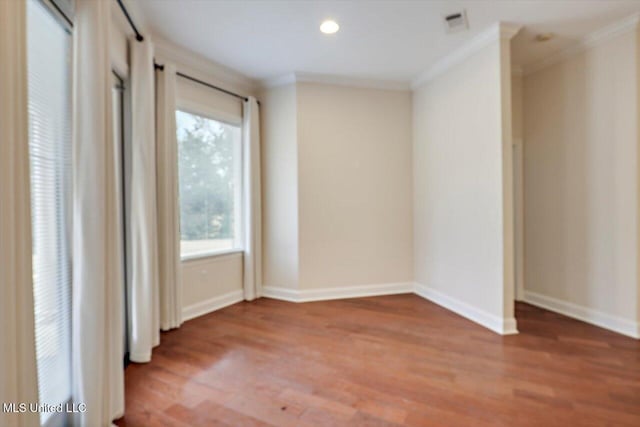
(193, 79)
(133, 26)
(61, 12)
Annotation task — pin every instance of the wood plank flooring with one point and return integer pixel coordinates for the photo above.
(383, 361)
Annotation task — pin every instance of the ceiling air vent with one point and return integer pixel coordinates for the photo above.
(455, 22)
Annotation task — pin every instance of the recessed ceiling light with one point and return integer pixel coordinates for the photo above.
(329, 27)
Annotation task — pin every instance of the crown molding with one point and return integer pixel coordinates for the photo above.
(352, 81)
(499, 30)
(199, 66)
(595, 38)
(356, 82)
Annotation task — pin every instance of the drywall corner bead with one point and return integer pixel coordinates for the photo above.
(483, 39)
(509, 31)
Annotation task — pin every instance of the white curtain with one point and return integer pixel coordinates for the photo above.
(18, 380)
(168, 209)
(144, 318)
(97, 285)
(252, 201)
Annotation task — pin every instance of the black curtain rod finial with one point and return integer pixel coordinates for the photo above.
(193, 79)
(131, 23)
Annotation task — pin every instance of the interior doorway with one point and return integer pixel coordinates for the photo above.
(118, 110)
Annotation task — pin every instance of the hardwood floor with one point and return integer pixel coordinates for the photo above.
(383, 361)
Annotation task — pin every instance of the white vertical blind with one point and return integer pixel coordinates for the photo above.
(49, 103)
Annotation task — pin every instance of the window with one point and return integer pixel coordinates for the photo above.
(49, 85)
(118, 110)
(209, 165)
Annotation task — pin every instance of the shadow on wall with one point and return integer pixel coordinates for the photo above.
(580, 190)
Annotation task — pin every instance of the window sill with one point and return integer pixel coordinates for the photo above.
(211, 254)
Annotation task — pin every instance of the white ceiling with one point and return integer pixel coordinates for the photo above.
(385, 40)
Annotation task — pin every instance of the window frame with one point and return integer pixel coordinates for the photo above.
(207, 112)
(63, 14)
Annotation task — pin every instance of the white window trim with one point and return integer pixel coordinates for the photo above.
(210, 254)
(209, 113)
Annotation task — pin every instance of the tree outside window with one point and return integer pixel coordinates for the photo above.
(209, 184)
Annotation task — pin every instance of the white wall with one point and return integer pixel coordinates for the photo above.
(338, 194)
(581, 183)
(222, 274)
(280, 187)
(210, 283)
(196, 98)
(462, 172)
(354, 148)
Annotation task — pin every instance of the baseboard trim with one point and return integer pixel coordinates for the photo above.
(323, 294)
(506, 326)
(585, 314)
(277, 292)
(494, 323)
(207, 306)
